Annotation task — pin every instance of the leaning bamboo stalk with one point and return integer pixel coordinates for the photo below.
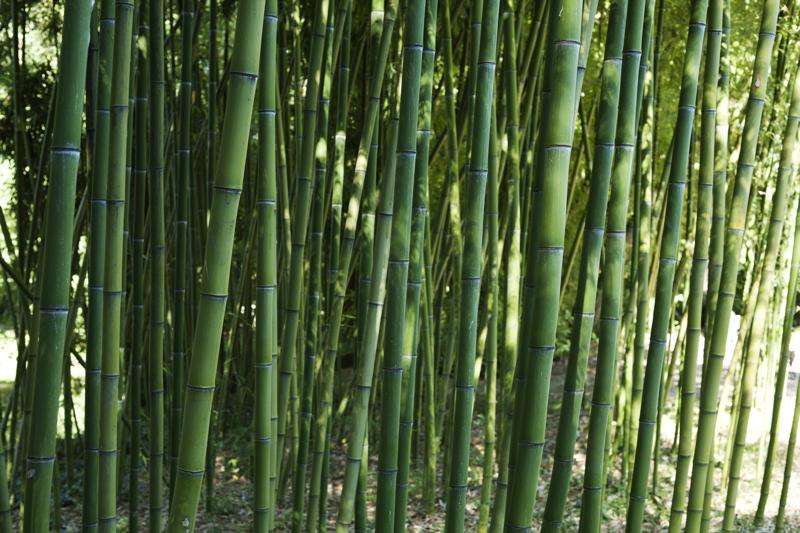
(613, 268)
(668, 248)
(730, 268)
(593, 233)
(301, 210)
(313, 297)
(513, 264)
(347, 502)
(790, 140)
(213, 295)
(780, 200)
(368, 344)
(790, 449)
(699, 264)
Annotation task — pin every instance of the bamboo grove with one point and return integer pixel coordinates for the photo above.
(389, 265)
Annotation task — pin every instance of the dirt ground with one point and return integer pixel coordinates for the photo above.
(233, 488)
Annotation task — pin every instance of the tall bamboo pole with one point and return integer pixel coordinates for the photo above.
(790, 448)
(780, 200)
(312, 296)
(368, 344)
(474, 200)
(266, 277)
(213, 295)
(97, 238)
(356, 442)
(666, 267)
(180, 310)
(57, 261)
(139, 187)
(593, 232)
(416, 277)
(158, 267)
(699, 264)
(786, 167)
(114, 260)
(513, 264)
(397, 269)
(730, 268)
(301, 209)
(490, 346)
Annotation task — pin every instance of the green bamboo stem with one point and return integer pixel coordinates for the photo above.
(415, 285)
(97, 237)
(114, 280)
(266, 282)
(613, 268)
(213, 85)
(634, 374)
(717, 243)
(513, 264)
(790, 136)
(313, 291)
(397, 267)
(699, 264)
(585, 301)
(470, 271)
(57, 260)
(180, 306)
(369, 343)
(490, 348)
(5, 509)
(792, 444)
(666, 267)
(139, 186)
(346, 506)
(733, 239)
(158, 267)
(640, 270)
(716, 247)
(780, 199)
(213, 296)
(301, 209)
